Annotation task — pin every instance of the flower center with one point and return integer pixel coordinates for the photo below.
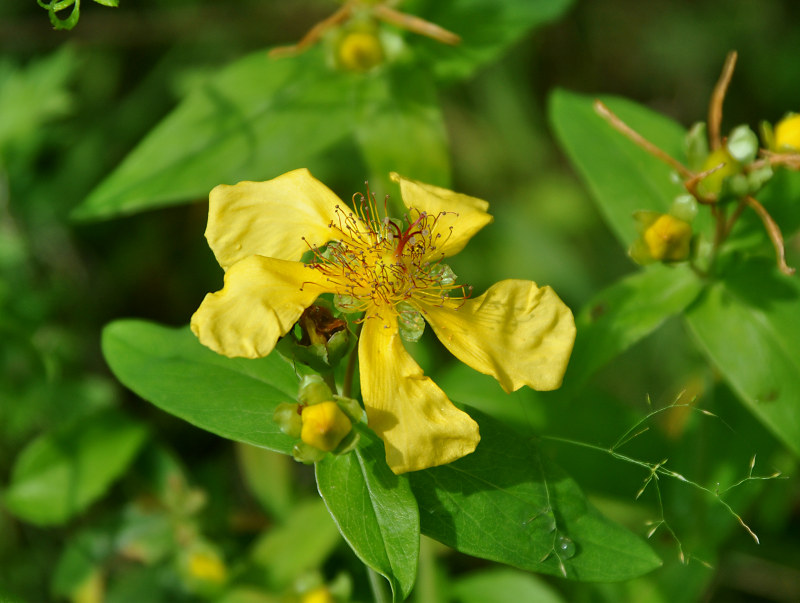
(373, 261)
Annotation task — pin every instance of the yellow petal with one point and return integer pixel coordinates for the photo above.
(418, 424)
(270, 218)
(518, 333)
(261, 300)
(459, 216)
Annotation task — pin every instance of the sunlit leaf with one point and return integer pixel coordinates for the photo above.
(259, 117)
(622, 177)
(508, 503)
(375, 511)
(232, 397)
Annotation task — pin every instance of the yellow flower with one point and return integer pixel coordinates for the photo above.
(517, 332)
(787, 134)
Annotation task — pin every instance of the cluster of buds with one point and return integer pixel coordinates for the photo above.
(321, 420)
(720, 172)
(356, 40)
(319, 339)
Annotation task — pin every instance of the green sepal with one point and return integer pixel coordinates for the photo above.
(696, 146)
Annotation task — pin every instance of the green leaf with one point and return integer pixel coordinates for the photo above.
(300, 544)
(232, 397)
(622, 177)
(399, 128)
(268, 476)
(502, 585)
(506, 502)
(259, 117)
(375, 510)
(32, 96)
(625, 313)
(749, 326)
(486, 27)
(61, 473)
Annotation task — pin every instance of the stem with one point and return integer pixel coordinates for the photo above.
(378, 586)
(615, 122)
(347, 386)
(717, 98)
(415, 24)
(314, 34)
(774, 234)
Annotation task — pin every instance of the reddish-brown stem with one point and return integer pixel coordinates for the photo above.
(314, 34)
(415, 24)
(620, 126)
(717, 98)
(774, 234)
(691, 185)
(735, 216)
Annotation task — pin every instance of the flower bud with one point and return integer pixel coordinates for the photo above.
(787, 134)
(287, 418)
(714, 183)
(320, 339)
(668, 238)
(324, 426)
(321, 594)
(314, 390)
(359, 50)
(664, 238)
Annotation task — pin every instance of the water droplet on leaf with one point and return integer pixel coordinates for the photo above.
(566, 548)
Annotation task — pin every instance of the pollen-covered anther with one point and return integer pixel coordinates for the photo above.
(382, 261)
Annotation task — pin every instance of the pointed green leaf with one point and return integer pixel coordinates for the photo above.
(627, 312)
(375, 510)
(61, 473)
(506, 502)
(622, 177)
(749, 325)
(259, 117)
(232, 397)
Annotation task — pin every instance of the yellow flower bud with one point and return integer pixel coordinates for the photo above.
(321, 594)
(787, 134)
(667, 239)
(359, 51)
(324, 426)
(206, 566)
(712, 184)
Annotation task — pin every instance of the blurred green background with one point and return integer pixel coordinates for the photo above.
(73, 104)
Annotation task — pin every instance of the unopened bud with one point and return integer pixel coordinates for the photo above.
(713, 184)
(321, 594)
(287, 418)
(324, 426)
(668, 239)
(314, 390)
(787, 134)
(359, 51)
